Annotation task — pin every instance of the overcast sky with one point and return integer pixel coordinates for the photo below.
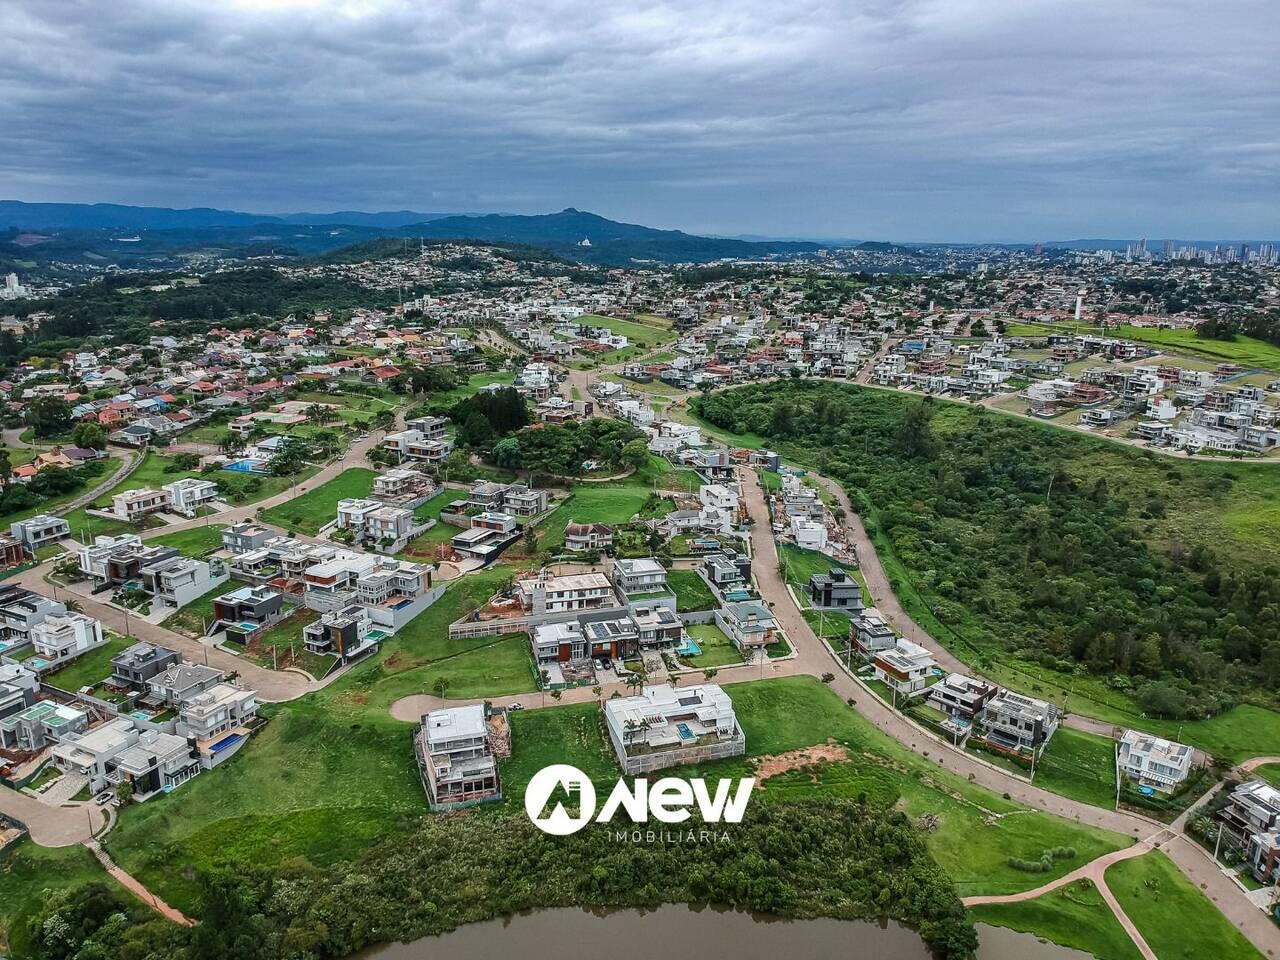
(884, 119)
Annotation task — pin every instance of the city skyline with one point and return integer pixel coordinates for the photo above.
(913, 121)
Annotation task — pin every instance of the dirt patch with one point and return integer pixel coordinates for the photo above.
(771, 766)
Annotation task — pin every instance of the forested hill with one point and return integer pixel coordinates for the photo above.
(1061, 557)
(610, 241)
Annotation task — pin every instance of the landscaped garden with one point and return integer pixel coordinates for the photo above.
(717, 649)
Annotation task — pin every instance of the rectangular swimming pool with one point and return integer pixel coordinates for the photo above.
(685, 732)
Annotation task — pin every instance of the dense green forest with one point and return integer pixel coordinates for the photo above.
(1048, 546)
(837, 858)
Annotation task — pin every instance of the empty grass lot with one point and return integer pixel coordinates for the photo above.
(592, 504)
(1175, 918)
(91, 668)
(1073, 916)
(1079, 765)
(195, 617)
(1245, 351)
(692, 592)
(194, 542)
(311, 511)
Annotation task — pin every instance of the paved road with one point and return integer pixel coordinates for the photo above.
(52, 826)
(814, 657)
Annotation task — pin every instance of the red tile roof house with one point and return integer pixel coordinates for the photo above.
(385, 373)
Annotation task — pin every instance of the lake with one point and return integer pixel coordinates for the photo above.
(696, 932)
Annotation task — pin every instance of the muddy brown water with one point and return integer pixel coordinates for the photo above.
(698, 932)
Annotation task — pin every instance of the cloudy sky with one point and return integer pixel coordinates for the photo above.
(885, 119)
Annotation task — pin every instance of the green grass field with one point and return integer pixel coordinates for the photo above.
(311, 511)
(802, 564)
(1269, 772)
(717, 649)
(592, 504)
(1242, 350)
(91, 668)
(244, 488)
(1079, 765)
(502, 667)
(193, 542)
(1175, 918)
(1074, 916)
(639, 335)
(471, 387)
(692, 592)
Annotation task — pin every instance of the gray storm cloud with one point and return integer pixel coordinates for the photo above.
(913, 120)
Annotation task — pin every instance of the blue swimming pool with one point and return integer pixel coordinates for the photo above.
(247, 465)
(688, 648)
(685, 732)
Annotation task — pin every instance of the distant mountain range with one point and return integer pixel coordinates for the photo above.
(591, 238)
(115, 216)
(573, 234)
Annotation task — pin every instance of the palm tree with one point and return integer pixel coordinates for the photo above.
(673, 679)
(635, 681)
(596, 691)
(441, 686)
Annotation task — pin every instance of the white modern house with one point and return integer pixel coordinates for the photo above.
(216, 720)
(1153, 762)
(187, 495)
(905, 667)
(809, 534)
(65, 635)
(665, 726)
(132, 505)
(39, 531)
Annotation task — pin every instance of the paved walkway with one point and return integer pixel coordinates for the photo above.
(1093, 871)
(131, 884)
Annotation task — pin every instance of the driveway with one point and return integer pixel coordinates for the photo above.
(52, 826)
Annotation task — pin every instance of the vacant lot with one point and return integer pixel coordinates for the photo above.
(90, 668)
(692, 592)
(1242, 350)
(315, 508)
(193, 542)
(1080, 766)
(1175, 918)
(1073, 916)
